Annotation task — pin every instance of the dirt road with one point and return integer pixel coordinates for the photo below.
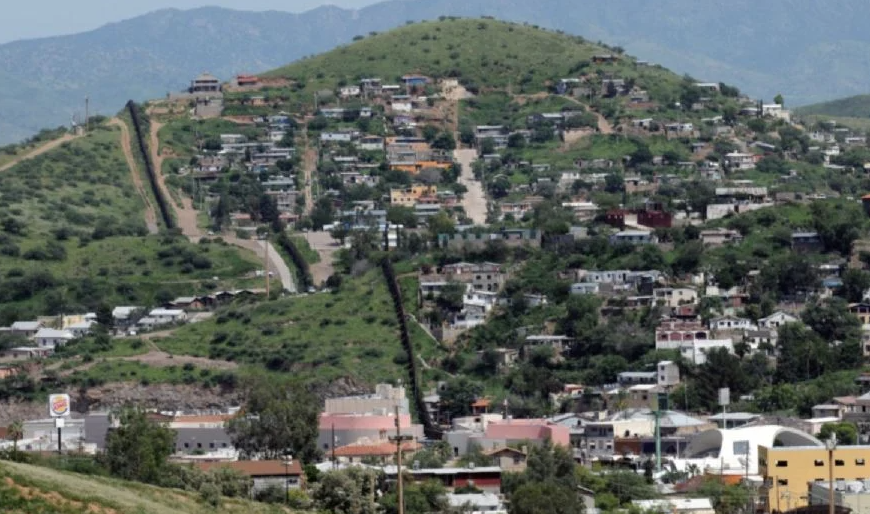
(127, 147)
(185, 214)
(473, 201)
(309, 167)
(325, 246)
(51, 145)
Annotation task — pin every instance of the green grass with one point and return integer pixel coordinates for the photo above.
(311, 256)
(72, 235)
(318, 337)
(32, 489)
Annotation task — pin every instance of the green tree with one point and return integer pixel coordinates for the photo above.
(348, 491)
(401, 215)
(802, 354)
(15, 431)
(138, 448)
(545, 498)
(428, 497)
(278, 417)
(440, 224)
(323, 213)
(458, 395)
(847, 433)
(832, 320)
(778, 99)
(104, 316)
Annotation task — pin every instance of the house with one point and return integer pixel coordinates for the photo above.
(409, 196)
(861, 311)
(510, 237)
(82, 328)
(166, 316)
(696, 351)
(671, 333)
(674, 297)
(761, 338)
(264, 473)
(484, 276)
(776, 320)
(477, 503)
(362, 429)
(382, 453)
(26, 352)
(729, 323)
(633, 237)
(386, 398)
(740, 161)
(558, 343)
(186, 303)
(51, 338)
(720, 236)
(631, 378)
(205, 83)
(585, 288)
(485, 478)
(505, 358)
(507, 458)
(25, 328)
(676, 505)
(806, 241)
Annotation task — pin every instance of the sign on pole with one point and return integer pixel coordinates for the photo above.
(59, 405)
(724, 396)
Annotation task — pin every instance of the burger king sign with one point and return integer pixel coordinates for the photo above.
(59, 405)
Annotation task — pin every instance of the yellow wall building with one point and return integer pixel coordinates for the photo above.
(409, 196)
(787, 471)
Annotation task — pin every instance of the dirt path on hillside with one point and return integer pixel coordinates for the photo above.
(326, 247)
(185, 214)
(309, 167)
(47, 147)
(126, 146)
(474, 200)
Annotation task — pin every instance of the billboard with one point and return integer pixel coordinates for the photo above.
(59, 405)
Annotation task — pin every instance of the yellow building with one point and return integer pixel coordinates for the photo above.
(409, 196)
(788, 471)
(418, 166)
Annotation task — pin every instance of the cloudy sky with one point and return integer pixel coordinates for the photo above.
(39, 18)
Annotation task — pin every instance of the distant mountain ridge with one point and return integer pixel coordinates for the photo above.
(814, 51)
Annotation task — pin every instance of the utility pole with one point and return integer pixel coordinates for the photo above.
(831, 445)
(399, 439)
(334, 462)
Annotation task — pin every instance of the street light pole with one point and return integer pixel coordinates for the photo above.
(831, 445)
(399, 439)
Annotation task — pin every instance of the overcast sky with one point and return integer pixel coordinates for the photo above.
(40, 18)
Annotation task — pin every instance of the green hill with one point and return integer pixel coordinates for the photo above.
(31, 489)
(851, 107)
(483, 53)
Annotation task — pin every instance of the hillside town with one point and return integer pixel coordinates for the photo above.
(634, 290)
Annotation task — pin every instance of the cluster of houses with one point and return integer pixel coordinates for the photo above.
(47, 333)
(626, 424)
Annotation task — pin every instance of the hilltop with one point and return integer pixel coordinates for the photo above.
(28, 488)
(851, 107)
(812, 53)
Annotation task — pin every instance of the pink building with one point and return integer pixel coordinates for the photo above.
(350, 429)
(511, 431)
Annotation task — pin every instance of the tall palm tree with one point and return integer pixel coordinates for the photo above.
(15, 431)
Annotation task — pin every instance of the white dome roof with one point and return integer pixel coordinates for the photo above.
(728, 448)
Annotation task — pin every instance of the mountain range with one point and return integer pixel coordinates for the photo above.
(807, 50)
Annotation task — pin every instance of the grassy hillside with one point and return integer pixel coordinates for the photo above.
(351, 333)
(482, 52)
(72, 235)
(851, 107)
(30, 489)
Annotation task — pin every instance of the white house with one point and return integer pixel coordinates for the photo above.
(475, 503)
(696, 350)
(123, 315)
(51, 338)
(675, 296)
(165, 316)
(25, 328)
(82, 328)
(726, 323)
(776, 320)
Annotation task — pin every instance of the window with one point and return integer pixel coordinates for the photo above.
(782, 481)
(819, 462)
(187, 445)
(859, 462)
(211, 445)
(839, 462)
(782, 463)
(199, 445)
